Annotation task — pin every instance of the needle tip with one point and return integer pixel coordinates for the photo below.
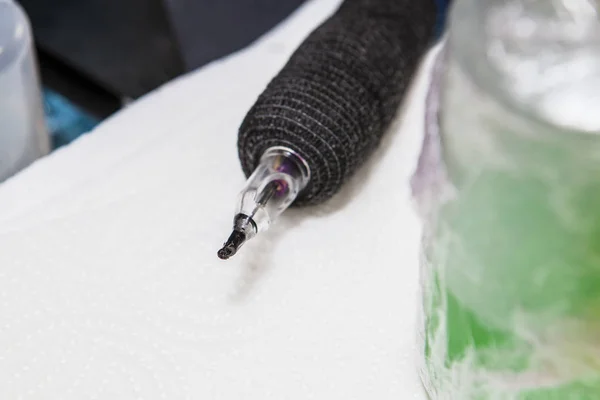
(226, 252)
(232, 245)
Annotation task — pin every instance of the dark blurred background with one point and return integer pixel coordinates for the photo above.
(96, 55)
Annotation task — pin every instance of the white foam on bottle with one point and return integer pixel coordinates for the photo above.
(546, 54)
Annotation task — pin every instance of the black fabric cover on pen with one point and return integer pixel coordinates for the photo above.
(336, 96)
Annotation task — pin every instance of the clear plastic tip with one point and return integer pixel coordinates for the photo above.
(273, 186)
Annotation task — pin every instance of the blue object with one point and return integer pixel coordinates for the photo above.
(442, 6)
(66, 121)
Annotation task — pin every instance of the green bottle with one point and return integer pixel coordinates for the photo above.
(508, 186)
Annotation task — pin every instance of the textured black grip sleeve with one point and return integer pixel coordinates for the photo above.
(339, 91)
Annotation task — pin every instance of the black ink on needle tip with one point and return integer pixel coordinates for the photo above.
(232, 245)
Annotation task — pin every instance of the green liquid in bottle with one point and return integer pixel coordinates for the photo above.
(511, 252)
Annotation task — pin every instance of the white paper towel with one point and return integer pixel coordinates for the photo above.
(110, 287)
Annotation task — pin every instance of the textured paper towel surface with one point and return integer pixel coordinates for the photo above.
(110, 287)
